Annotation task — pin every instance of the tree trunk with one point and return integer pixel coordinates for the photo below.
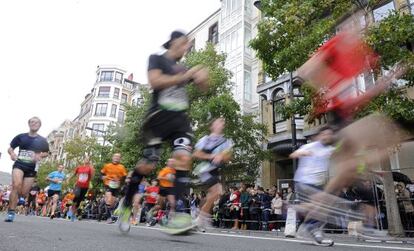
(395, 227)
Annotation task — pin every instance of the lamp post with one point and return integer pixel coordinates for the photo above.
(103, 136)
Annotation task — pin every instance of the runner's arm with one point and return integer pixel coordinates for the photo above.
(12, 154)
(200, 155)
(158, 80)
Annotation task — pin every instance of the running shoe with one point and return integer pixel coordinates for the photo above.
(316, 236)
(371, 233)
(320, 240)
(124, 214)
(10, 217)
(203, 222)
(181, 223)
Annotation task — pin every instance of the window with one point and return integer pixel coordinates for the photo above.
(104, 91)
(113, 111)
(248, 7)
(247, 86)
(124, 98)
(116, 93)
(278, 100)
(98, 129)
(213, 33)
(383, 11)
(247, 38)
(101, 109)
(121, 116)
(118, 77)
(107, 76)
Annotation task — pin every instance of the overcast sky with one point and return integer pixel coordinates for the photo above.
(49, 51)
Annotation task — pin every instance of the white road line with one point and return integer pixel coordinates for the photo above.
(261, 238)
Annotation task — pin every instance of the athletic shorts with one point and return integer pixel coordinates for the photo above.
(79, 195)
(165, 191)
(167, 126)
(211, 178)
(27, 172)
(114, 191)
(50, 193)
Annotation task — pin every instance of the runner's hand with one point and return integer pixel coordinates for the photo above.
(13, 156)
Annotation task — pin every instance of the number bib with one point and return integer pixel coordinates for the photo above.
(26, 156)
(83, 177)
(173, 98)
(114, 184)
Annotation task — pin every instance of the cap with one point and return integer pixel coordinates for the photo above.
(174, 35)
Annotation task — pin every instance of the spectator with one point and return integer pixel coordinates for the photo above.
(265, 206)
(235, 206)
(244, 201)
(277, 204)
(405, 205)
(254, 210)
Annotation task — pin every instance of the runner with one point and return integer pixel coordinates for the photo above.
(31, 200)
(166, 176)
(151, 196)
(32, 149)
(113, 175)
(331, 70)
(41, 203)
(312, 172)
(137, 203)
(167, 121)
(214, 151)
(55, 188)
(84, 174)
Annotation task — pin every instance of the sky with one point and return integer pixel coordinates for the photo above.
(49, 51)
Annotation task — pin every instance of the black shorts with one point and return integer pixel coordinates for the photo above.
(79, 195)
(167, 126)
(165, 191)
(27, 172)
(211, 178)
(50, 193)
(114, 191)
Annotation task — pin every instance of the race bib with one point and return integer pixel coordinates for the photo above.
(114, 184)
(83, 177)
(26, 156)
(173, 98)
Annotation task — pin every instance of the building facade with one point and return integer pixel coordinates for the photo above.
(103, 106)
(231, 28)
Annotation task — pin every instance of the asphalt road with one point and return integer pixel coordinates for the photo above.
(36, 233)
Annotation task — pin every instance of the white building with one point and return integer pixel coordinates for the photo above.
(231, 28)
(104, 105)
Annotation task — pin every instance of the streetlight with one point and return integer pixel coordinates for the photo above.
(103, 136)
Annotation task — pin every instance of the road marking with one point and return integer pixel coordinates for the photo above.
(259, 238)
(308, 242)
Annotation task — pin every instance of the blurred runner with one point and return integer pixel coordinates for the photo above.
(214, 151)
(167, 121)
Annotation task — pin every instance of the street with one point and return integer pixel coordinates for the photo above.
(36, 233)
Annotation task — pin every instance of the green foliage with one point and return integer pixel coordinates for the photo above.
(45, 168)
(292, 30)
(245, 132)
(78, 147)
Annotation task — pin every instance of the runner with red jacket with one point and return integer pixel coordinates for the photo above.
(84, 174)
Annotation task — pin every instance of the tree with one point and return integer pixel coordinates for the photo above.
(292, 30)
(45, 168)
(246, 133)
